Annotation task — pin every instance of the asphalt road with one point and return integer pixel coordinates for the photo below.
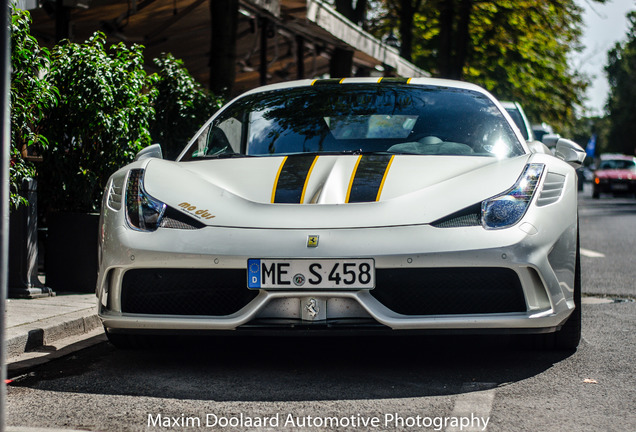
(361, 384)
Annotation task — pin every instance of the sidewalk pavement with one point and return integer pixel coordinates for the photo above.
(37, 330)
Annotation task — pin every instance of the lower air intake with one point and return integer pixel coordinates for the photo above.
(449, 291)
(185, 291)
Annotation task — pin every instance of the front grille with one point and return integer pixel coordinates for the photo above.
(185, 291)
(445, 291)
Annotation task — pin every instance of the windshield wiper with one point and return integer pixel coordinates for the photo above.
(345, 152)
(226, 156)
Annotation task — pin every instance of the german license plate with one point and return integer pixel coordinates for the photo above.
(619, 186)
(311, 274)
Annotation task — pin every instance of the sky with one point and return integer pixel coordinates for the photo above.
(604, 25)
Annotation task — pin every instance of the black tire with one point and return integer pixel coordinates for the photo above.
(569, 336)
(121, 340)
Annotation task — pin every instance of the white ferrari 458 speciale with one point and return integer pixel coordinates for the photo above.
(361, 205)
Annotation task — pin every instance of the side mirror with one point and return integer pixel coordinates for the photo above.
(538, 147)
(153, 151)
(570, 152)
(550, 139)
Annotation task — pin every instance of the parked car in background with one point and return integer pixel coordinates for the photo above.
(615, 174)
(515, 111)
(542, 129)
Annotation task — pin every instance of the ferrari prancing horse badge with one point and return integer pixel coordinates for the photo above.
(312, 241)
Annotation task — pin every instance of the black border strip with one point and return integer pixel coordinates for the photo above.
(292, 178)
(368, 178)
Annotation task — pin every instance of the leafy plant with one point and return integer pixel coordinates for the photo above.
(32, 96)
(101, 121)
(182, 105)
(87, 110)
(621, 74)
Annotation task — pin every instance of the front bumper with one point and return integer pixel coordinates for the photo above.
(617, 186)
(539, 267)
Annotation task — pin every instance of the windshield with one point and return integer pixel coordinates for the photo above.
(358, 118)
(617, 164)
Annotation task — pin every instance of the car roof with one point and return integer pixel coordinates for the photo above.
(610, 156)
(508, 104)
(439, 82)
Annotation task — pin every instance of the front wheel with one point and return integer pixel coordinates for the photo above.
(568, 337)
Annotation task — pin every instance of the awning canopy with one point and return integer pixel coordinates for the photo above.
(300, 38)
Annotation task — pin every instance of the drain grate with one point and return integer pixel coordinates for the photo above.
(592, 299)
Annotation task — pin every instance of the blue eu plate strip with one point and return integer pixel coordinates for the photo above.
(254, 273)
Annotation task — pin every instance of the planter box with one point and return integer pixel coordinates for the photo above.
(23, 247)
(71, 252)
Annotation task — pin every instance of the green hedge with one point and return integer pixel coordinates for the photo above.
(87, 110)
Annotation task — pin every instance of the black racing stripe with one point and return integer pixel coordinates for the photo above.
(326, 81)
(368, 178)
(292, 178)
(393, 80)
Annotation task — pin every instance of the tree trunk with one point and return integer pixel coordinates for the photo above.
(407, 13)
(355, 14)
(445, 54)
(224, 21)
(341, 63)
(461, 40)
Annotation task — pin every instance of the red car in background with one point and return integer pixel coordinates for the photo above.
(616, 174)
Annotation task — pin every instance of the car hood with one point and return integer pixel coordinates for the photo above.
(343, 191)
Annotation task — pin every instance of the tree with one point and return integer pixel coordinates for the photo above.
(521, 53)
(182, 105)
(621, 73)
(516, 49)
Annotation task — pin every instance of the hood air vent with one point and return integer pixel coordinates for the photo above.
(470, 216)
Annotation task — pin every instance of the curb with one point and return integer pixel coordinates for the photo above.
(45, 332)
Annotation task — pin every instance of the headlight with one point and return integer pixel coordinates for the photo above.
(143, 212)
(508, 208)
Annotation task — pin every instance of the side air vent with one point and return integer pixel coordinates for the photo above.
(552, 189)
(115, 193)
(177, 220)
(470, 216)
